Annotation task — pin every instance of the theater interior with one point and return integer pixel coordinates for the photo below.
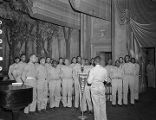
(86, 28)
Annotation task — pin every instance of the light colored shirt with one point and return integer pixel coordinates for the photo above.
(116, 73)
(129, 68)
(66, 72)
(109, 70)
(11, 69)
(41, 72)
(72, 65)
(60, 66)
(29, 71)
(54, 73)
(137, 69)
(98, 74)
(19, 68)
(87, 68)
(76, 70)
(47, 65)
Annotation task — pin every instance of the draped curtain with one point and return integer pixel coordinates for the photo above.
(139, 16)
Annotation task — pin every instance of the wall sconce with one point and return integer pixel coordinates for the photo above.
(1, 41)
(1, 31)
(1, 68)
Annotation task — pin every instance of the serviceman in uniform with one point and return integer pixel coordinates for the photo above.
(128, 80)
(116, 76)
(37, 62)
(67, 84)
(76, 71)
(48, 63)
(12, 67)
(42, 86)
(136, 80)
(109, 68)
(121, 61)
(29, 76)
(19, 69)
(73, 62)
(54, 85)
(96, 78)
(87, 93)
(61, 63)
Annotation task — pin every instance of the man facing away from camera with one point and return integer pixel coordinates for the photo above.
(96, 78)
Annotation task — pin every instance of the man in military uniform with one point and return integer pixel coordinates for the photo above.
(116, 76)
(12, 68)
(19, 69)
(97, 76)
(67, 84)
(76, 71)
(54, 85)
(42, 86)
(29, 77)
(136, 78)
(128, 80)
(87, 93)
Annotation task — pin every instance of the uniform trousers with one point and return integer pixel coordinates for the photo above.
(55, 92)
(136, 87)
(77, 92)
(86, 101)
(32, 106)
(42, 94)
(116, 88)
(99, 101)
(128, 82)
(67, 84)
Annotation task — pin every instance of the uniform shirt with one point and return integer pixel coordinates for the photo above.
(18, 69)
(48, 66)
(76, 70)
(72, 65)
(66, 72)
(109, 70)
(11, 69)
(29, 71)
(36, 65)
(54, 73)
(137, 69)
(60, 66)
(116, 73)
(87, 68)
(129, 68)
(98, 74)
(41, 72)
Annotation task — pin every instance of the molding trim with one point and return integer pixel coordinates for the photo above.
(56, 12)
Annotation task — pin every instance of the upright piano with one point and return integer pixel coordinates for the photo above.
(15, 98)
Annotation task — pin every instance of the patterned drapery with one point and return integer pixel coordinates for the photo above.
(139, 16)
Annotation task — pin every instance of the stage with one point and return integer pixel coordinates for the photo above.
(143, 110)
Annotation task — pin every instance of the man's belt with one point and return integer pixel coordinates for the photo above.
(30, 78)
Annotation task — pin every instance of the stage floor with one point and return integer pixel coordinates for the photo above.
(145, 109)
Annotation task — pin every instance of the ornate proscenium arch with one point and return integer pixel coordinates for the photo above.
(97, 8)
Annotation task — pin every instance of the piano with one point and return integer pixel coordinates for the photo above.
(15, 98)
